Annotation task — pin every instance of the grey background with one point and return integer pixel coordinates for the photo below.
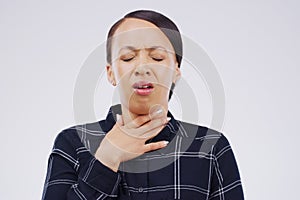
(254, 45)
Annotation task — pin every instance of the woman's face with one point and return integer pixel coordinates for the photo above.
(143, 65)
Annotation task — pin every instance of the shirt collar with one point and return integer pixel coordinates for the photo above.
(167, 133)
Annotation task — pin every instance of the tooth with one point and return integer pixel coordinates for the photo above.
(143, 86)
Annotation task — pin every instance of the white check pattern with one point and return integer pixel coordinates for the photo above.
(74, 173)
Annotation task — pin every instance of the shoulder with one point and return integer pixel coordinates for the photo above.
(206, 138)
(198, 132)
(79, 136)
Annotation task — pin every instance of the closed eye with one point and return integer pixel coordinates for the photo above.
(158, 59)
(127, 59)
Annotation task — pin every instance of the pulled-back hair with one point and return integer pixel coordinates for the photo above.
(167, 26)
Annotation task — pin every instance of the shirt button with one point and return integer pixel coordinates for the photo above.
(141, 189)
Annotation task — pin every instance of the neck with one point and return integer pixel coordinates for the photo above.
(128, 115)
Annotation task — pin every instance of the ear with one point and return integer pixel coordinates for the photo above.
(110, 74)
(177, 73)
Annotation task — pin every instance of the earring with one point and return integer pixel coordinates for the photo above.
(172, 86)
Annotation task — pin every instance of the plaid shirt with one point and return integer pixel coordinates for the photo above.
(198, 163)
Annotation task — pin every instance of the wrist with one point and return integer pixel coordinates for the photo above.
(112, 164)
(107, 157)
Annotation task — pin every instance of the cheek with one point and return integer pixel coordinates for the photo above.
(122, 71)
(165, 74)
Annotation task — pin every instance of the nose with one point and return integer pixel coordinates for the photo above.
(142, 67)
(141, 70)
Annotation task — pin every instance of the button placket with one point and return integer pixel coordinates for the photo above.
(141, 189)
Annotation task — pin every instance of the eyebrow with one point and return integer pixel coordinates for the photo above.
(132, 48)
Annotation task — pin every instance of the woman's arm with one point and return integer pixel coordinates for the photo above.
(73, 173)
(225, 178)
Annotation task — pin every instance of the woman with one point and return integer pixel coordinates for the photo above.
(145, 153)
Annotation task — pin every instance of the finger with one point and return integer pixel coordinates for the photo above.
(139, 121)
(120, 148)
(153, 124)
(156, 111)
(155, 145)
(120, 120)
(152, 133)
(136, 133)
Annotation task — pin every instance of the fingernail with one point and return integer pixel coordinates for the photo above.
(166, 143)
(158, 112)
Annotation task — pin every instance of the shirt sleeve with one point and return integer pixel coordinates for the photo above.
(225, 179)
(74, 173)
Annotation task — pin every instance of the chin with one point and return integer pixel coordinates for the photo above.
(138, 107)
(141, 105)
(143, 108)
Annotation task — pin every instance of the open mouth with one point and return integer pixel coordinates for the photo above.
(143, 88)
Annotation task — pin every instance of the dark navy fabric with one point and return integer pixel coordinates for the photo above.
(198, 163)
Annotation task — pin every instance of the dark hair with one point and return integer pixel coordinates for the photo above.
(167, 26)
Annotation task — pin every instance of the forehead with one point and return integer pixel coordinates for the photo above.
(139, 34)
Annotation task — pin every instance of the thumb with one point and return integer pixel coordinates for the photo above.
(120, 120)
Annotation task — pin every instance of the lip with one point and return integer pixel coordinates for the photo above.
(137, 87)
